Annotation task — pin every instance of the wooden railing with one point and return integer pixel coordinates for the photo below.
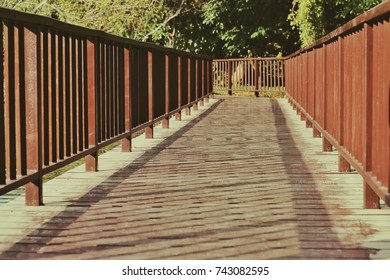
(341, 86)
(68, 91)
(258, 75)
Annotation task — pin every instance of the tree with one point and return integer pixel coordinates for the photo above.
(249, 27)
(136, 19)
(315, 18)
(221, 28)
(42, 7)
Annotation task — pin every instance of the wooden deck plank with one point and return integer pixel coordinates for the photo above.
(241, 180)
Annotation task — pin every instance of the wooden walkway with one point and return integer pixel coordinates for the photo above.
(241, 178)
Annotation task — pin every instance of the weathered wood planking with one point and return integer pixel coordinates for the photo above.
(254, 186)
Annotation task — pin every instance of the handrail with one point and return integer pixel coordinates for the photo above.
(68, 91)
(341, 86)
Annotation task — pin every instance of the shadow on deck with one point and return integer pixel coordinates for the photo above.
(242, 180)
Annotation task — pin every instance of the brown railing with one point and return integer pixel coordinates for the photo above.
(341, 86)
(258, 75)
(69, 91)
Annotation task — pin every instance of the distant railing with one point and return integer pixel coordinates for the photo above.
(256, 75)
(68, 91)
(341, 86)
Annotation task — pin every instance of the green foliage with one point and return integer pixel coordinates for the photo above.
(42, 7)
(222, 28)
(129, 18)
(315, 18)
(219, 27)
(307, 17)
(249, 27)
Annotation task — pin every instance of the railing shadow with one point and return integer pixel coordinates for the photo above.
(250, 195)
(39, 238)
(318, 237)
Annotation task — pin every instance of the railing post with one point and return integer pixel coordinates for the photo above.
(371, 199)
(91, 161)
(32, 64)
(308, 122)
(178, 113)
(344, 165)
(210, 78)
(211, 82)
(9, 100)
(256, 77)
(316, 132)
(165, 121)
(208, 73)
(202, 84)
(326, 145)
(230, 77)
(188, 108)
(300, 84)
(2, 111)
(293, 72)
(127, 142)
(149, 129)
(259, 77)
(196, 84)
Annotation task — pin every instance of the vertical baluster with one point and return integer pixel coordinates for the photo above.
(91, 161)
(196, 84)
(229, 74)
(67, 103)
(47, 117)
(149, 129)
(32, 77)
(208, 73)
(371, 199)
(115, 92)
(127, 142)
(80, 77)
(326, 145)
(109, 92)
(9, 78)
(2, 113)
(165, 122)
(60, 108)
(53, 96)
(85, 91)
(203, 81)
(20, 95)
(256, 77)
(343, 164)
(188, 109)
(74, 101)
(178, 114)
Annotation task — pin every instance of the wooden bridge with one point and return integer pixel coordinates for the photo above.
(248, 188)
(212, 177)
